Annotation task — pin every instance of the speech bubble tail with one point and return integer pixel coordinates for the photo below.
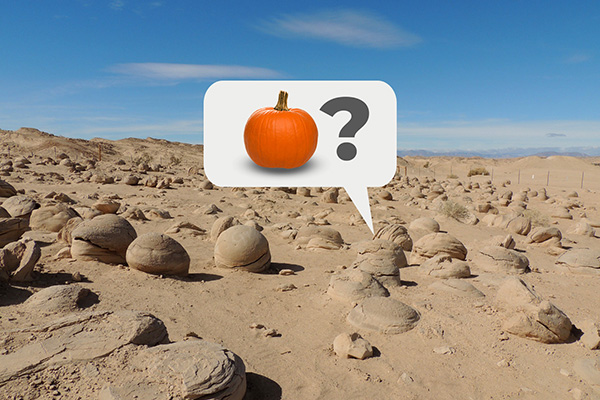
(360, 197)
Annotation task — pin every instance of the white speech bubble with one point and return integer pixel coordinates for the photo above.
(229, 104)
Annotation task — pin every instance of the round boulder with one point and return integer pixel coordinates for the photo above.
(383, 314)
(437, 243)
(104, 238)
(355, 285)
(158, 254)
(51, 218)
(397, 234)
(242, 247)
(20, 206)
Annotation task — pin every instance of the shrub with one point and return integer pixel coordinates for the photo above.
(478, 171)
(426, 165)
(144, 158)
(536, 217)
(454, 210)
(175, 160)
(452, 176)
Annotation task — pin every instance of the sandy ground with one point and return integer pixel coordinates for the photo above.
(220, 305)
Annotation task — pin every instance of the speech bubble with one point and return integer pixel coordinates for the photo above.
(357, 116)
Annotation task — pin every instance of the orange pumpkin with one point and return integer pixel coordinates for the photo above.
(280, 137)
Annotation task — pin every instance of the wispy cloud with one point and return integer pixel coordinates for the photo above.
(489, 134)
(577, 58)
(347, 27)
(111, 128)
(166, 71)
(551, 134)
(117, 5)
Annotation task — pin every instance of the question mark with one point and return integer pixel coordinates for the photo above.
(359, 115)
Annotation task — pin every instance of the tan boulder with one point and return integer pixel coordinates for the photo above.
(437, 243)
(242, 247)
(500, 259)
(384, 315)
(355, 285)
(51, 218)
(104, 238)
(529, 316)
(395, 233)
(158, 254)
(327, 237)
(445, 267)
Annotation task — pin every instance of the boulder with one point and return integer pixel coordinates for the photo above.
(445, 267)
(355, 285)
(546, 236)
(500, 259)
(51, 218)
(11, 230)
(437, 243)
(199, 368)
(457, 287)
(529, 316)
(20, 206)
(352, 346)
(17, 260)
(220, 225)
(242, 247)
(384, 315)
(397, 234)
(78, 337)
(326, 237)
(579, 260)
(6, 189)
(59, 298)
(104, 238)
(158, 254)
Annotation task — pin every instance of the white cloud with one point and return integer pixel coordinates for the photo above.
(168, 128)
(577, 58)
(347, 27)
(166, 71)
(117, 5)
(490, 134)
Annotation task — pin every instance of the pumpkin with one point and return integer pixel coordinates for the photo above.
(280, 137)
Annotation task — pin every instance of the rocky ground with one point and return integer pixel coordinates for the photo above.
(125, 273)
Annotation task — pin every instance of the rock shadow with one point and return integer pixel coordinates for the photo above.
(276, 267)
(408, 283)
(200, 277)
(89, 300)
(47, 279)
(11, 295)
(261, 388)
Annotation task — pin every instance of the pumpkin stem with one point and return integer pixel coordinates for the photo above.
(282, 102)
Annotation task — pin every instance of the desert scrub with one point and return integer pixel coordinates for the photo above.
(536, 217)
(426, 165)
(478, 171)
(175, 160)
(454, 210)
(143, 158)
(452, 176)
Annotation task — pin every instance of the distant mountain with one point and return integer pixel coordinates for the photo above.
(507, 152)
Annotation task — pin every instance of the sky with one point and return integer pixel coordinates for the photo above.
(470, 75)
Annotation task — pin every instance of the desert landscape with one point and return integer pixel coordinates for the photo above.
(126, 274)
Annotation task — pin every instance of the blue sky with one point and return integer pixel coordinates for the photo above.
(468, 75)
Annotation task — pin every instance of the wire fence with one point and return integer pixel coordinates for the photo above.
(535, 177)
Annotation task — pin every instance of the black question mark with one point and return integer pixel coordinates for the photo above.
(359, 116)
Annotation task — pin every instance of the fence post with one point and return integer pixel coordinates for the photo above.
(492, 174)
(548, 178)
(519, 178)
(582, 172)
